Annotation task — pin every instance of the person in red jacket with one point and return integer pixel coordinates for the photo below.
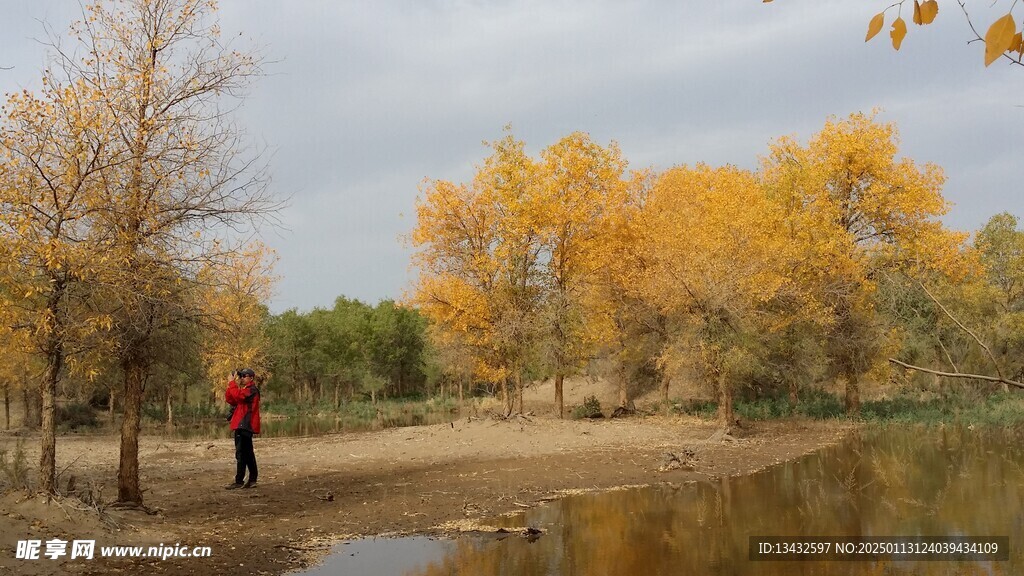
(244, 398)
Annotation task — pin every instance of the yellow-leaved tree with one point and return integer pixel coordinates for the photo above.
(860, 209)
(53, 152)
(478, 247)
(717, 256)
(182, 193)
(234, 295)
(582, 186)
(629, 331)
(14, 363)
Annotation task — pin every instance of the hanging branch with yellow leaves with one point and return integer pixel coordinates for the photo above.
(1002, 39)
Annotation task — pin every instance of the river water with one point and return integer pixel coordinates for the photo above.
(898, 482)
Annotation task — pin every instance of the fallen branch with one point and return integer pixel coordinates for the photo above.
(958, 374)
(965, 329)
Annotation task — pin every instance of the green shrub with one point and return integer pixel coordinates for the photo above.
(590, 408)
(699, 408)
(998, 409)
(75, 415)
(201, 411)
(15, 470)
(819, 404)
(763, 409)
(812, 403)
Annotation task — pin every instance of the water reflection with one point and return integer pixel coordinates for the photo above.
(905, 482)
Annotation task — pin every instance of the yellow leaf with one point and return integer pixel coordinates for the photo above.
(898, 32)
(929, 10)
(917, 13)
(1018, 43)
(999, 37)
(875, 26)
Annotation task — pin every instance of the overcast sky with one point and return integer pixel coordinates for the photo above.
(367, 99)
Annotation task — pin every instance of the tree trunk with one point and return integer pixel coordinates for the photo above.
(559, 398)
(623, 395)
(184, 393)
(460, 392)
(793, 399)
(110, 405)
(26, 412)
(170, 411)
(48, 413)
(852, 395)
(128, 489)
(7, 406)
(665, 381)
(519, 391)
(725, 409)
(30, 401)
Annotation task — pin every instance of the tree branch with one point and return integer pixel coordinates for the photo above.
(958, 374)
(978, 37)
(965, 329)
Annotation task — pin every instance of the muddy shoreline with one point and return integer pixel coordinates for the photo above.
(418, 480)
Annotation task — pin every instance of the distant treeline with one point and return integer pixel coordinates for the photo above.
(353, 350)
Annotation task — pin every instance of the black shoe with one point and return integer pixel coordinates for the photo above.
(234, 485)
(249, 484)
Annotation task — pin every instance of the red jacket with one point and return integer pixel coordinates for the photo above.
(246, 402)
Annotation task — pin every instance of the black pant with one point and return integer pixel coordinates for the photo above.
(245, 457)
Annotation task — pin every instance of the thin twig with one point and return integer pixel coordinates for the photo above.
(62, 509)
(978, 37)
(946, 352)
(64, 469)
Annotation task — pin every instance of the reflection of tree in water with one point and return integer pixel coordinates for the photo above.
(929, 482)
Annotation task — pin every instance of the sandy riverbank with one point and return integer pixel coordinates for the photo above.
(396, 481)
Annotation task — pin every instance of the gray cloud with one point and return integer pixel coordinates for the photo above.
(366, 99)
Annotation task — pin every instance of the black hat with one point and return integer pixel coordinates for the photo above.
(247, 372)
